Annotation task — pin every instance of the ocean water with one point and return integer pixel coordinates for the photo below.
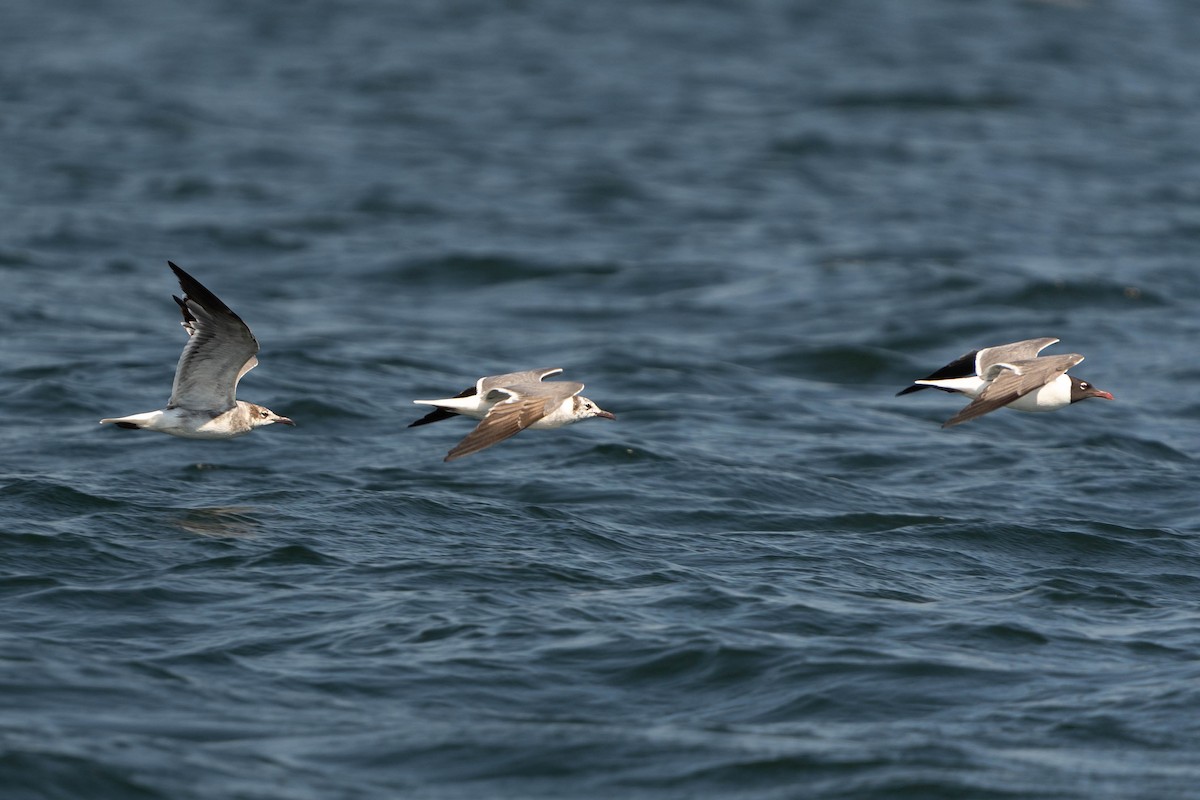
(744, 226)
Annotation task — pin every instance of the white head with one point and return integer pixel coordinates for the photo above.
(585, 409)
(260, 415)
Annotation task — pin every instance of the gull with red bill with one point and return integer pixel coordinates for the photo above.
(1010, 376)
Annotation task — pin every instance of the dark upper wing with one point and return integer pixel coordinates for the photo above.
(976, 362)
(219, 351)
(506, 418)
(1025, 350)
(1013, 381)
(514, 378)
(961, 367)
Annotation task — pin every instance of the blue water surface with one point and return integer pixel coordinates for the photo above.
(744, 226)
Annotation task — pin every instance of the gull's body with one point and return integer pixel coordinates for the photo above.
(220, 350)
(508, 404)
(1010, 376)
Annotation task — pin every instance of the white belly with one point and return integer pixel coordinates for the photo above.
(1051, 397)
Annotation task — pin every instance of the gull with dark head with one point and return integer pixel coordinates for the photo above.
(1010, 375)
(219, 351)
(508, 404)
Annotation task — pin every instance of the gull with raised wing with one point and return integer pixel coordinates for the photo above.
(219, 351)
(508, 404)
(1010, 375)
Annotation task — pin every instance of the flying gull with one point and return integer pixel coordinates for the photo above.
(508, 404)
(1011, 375)
(219, 351)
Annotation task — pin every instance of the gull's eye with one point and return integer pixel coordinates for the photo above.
(1083, 384)
(263, 415)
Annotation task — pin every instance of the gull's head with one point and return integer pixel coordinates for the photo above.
(260, 415)
(584, 409)
(1082, 390)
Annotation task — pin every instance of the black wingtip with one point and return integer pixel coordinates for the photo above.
(437, 415)
(911, 389)
(194, 290)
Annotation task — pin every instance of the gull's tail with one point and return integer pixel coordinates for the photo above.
(451, 403)
(133, 421)
(445, 409)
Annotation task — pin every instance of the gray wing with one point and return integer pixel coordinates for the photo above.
(1026, 350)
(527, 404)
(484, 385)
(1012, 381)
(220, 350)
(189, 325)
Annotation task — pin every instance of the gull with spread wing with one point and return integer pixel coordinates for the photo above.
(219, 351)
(1010, 375)
(508, 404)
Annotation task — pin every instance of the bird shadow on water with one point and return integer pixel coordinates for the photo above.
(219, 521)
(209, 471)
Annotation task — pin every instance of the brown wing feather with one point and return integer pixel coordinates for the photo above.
(506, 419)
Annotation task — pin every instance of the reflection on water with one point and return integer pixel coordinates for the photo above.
(220, 521)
